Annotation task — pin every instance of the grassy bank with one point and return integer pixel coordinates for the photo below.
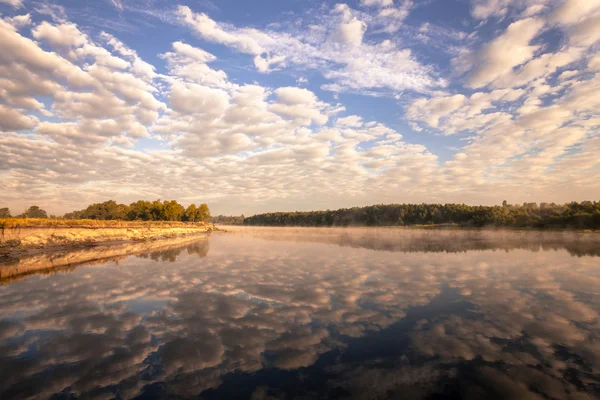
(11, 223)
(47, 233)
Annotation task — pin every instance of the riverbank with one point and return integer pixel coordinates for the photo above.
(21, 234)
(27, 261)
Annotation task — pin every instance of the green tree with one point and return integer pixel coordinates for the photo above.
(172, 210)
(196, 214)
(5, 213)
(156, 211)
(203, 213)
(107, 210)
(190, 213)
(34, 212)
(140, 210)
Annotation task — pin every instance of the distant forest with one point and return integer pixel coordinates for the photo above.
(141, 210)
(584, 215)
(228, 220)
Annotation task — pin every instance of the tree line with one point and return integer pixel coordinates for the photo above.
(228, 219)
(31, 212)
(574, 215)
(141, 210)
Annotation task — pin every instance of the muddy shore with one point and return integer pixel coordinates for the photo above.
(19, 262)
(24, 243)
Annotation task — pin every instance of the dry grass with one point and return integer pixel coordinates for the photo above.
(8, 223)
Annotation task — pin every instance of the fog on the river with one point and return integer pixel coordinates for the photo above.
(266, 313)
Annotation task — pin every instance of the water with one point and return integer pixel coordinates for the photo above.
(310, 313)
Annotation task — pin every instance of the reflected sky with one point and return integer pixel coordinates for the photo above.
(277, 313)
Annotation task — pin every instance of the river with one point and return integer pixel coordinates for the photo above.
(268, 313)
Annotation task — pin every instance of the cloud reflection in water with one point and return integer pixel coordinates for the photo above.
(311, 315)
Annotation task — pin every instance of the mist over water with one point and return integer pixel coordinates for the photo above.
(266, 313)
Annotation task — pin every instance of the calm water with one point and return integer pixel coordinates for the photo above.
(312, 313)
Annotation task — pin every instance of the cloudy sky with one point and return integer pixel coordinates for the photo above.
(267, 105)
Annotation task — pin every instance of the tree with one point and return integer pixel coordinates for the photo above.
(5, 213)
(34, 212)
(203, 212)
(140, 210)
(584, 215)
(190, 213)
(156, 211)
(504, 204)
(195, 214)
(172, 210)
(106, 210)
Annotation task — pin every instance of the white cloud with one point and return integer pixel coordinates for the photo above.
(13, 3)
(509, 50)
(484, 9)
(19, 21)
(118, 4)
(571, 11)
(295, 96)
(533, 10)
(336, 48)
(203, 25)
(586, 32)
(189, 63)
(196, 99)
(61, 36)
(140, 68)
(594, 63)
(377, 3)
(76, 103)
(351, 121)
(350, 33)
(13, 120)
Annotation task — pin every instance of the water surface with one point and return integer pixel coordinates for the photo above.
(312, 313)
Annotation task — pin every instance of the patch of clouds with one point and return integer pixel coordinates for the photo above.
(19, 21)
(13, 3)
(336, 48)
(75, 105)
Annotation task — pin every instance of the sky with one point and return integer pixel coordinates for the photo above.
(270, 105)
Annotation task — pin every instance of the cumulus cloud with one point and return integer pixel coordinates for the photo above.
(510, 49)
(11, 120)
(523, 110)
(19, 21)
(61, 36)
(484, 9)
(380, 66)
(13, 3)
(378, 3)
(526, 113)
(571, 11)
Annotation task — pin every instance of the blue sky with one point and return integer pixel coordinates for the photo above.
(282, 105)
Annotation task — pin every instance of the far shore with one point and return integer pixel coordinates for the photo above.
(420, 227)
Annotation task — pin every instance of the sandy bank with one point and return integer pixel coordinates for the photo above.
(29, 261)
(50, 236)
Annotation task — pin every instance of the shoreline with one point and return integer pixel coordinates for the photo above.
(441, 227)
(21, 241)
(20, 262)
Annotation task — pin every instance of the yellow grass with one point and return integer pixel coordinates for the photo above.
(7, 223)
